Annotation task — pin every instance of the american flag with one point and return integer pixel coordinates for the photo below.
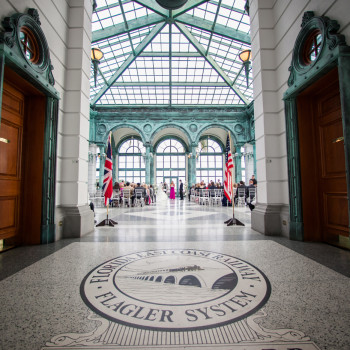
(108, 179)
(228, 171)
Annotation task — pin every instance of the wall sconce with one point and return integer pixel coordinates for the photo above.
(245, 57)
(191, 154)
(248, 154)
(96, 56)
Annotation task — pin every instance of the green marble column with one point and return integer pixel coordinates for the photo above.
(102, 167)
(238, 163)
(114, 156)
(114, 160)
(152, 181)
(193, 165)
(148, 163)
(188, 170)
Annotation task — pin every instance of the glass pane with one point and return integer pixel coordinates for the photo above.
(211, 161)
(174, 162)
(218, 161)
(160, 161)
(121, 175)
(182, 161)
(204, 162)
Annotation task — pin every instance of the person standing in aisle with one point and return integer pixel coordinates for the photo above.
(181, 190)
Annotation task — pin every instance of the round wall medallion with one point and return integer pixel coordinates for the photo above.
(101, 129)
(193, 127)
(238, 128)
(175, 290)
(147, 128)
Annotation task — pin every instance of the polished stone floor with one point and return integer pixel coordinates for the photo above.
(173, 276)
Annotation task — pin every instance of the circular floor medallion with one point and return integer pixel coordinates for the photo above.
(175, 290)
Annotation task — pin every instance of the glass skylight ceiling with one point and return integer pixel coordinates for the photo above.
(184, 57)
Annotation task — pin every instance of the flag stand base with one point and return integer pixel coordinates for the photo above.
(234, 221)
(107, 222)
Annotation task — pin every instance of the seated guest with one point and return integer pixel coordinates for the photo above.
(147, 194)
(212, 186)
(116, 194)
(251, 185)
(139, 187)
(129, 187)
(240, 185)
(254, 180)
(152, 193)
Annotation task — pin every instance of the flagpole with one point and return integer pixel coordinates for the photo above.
(232, 197)
(108, 184)
(233, 220)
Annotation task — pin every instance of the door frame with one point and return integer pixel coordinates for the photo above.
(36, 73)
(333, 53)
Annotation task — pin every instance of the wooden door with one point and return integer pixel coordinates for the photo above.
(331, 158)
(324, 186)
(11, 130)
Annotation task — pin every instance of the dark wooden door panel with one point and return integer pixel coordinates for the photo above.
(9, 160)
(331, 160)
(11, 129)
(322, 160)
(8, 217)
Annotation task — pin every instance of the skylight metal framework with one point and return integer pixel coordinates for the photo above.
(185, 57)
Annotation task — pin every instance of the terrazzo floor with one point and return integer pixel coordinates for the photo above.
(173, 276)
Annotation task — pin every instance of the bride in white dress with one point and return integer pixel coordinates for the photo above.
(161, 196)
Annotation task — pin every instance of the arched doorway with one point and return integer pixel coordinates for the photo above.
(171, 162)
(28, 133)
(317, 114)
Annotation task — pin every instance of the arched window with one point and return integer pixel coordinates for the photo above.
(171, 163)
(131, 164)
(209, 161)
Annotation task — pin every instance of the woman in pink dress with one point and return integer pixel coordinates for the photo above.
(172, 190)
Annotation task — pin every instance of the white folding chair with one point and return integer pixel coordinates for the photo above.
(197, 194)
(241, 197)
(218, 197)
(139, 199)
(212, 197)
(204, 197)
(251, 195)
(126, 197)
(192, 195)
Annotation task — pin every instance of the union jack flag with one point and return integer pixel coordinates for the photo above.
(108, 177)
(228, 171)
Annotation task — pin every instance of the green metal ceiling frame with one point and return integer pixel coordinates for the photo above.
(156, 19)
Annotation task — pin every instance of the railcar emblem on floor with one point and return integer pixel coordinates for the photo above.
(175, 290)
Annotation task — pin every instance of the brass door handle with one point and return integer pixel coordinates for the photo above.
(4, 140)
(338, 139)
